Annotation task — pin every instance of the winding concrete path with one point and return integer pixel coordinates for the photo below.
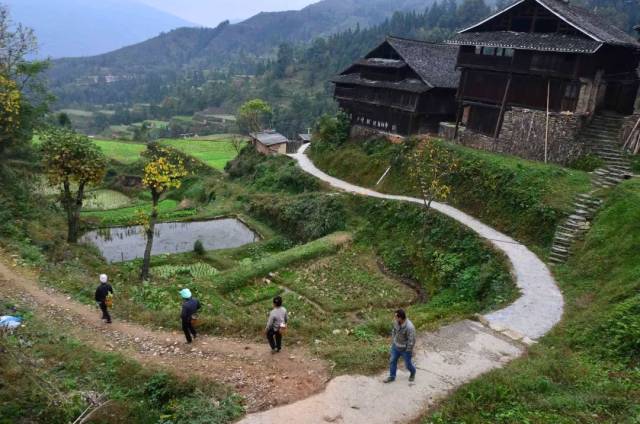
(446, 359)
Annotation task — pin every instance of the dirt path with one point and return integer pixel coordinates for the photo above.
(446, 359)
(249, 368)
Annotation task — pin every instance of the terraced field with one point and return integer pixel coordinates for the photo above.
(215, 152)
(121, 151)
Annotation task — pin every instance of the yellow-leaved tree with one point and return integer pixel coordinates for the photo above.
(10, 99)
(164, 169)
(73, 162)
(430, 164)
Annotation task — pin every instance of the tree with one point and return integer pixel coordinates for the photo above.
(10, 103)
(237, 142)
(19, 112)
(285, 58)
(163, 170)
(430, 164)
(253, 115)
(63, 120)
(71, 161)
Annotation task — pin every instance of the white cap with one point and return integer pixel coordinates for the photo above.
(104, 278)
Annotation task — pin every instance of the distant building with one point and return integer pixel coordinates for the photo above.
(305, 138)
(534, 75)
(269, 142)
(401, 87)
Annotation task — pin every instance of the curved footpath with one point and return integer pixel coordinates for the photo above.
(446, 359)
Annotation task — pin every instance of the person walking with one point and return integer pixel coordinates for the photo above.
(276, 325)
(102, 293)
(190, 306)
(403, 341)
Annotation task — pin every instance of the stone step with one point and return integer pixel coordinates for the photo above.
(590, 210)
(563, 243)
(560, 250)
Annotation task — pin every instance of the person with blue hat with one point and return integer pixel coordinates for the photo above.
(190, 306)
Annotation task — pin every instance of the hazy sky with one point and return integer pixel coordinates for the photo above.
(212, 12)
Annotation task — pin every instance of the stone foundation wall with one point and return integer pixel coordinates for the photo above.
(523, 135)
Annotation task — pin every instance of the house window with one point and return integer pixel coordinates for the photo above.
(508, 52)
(489, 51)
(478, 49)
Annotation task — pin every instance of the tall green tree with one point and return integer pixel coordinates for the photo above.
(73, 162)
(254, 115)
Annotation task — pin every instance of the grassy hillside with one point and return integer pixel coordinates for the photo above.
(522, 198)
(587, 370)
(46, 375)
(121, 151)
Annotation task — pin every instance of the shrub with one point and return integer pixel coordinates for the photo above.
(198, 248)
(331, 131)
(270, 173)
(621, 329)
(587, 163)
(304, 217)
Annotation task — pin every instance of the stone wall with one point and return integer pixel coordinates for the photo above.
(523, 135)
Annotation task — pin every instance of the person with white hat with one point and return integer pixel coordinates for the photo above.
(102, 293)
(190, 306)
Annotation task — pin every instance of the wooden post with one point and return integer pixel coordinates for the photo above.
(502, 107)
(546, 130)
(458, 117)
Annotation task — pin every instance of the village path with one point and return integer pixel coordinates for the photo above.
(246, 367)
(445, 359)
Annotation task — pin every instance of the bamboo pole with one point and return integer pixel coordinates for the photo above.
(631, 134)
(546, 130)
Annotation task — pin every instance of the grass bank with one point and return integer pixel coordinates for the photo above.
(525, 199)
(47, 376)
(587, 370)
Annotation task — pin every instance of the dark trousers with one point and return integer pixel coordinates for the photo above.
(105, 311)
(275, 339)
(188, 329)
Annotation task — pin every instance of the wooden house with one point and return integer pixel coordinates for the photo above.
(269, 142)
(537, 72)
(401, 87)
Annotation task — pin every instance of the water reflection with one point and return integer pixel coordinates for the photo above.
(126, 243)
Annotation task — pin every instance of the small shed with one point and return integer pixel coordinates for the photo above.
(305, 138)
(269, 142)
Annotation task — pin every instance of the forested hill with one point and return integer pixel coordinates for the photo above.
(236, 45)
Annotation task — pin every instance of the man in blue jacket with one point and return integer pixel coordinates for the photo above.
(190, 306)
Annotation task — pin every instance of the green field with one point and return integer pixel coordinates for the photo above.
(120, 151)
(215, 153)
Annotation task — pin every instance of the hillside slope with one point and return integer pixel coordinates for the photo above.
(83, 28)
(258, 36)
(586, 370)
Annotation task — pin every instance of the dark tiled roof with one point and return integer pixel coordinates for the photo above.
(583, 20)
(590, 23)
(434, 63)
(412, 85)
(305, 137)
(269, 138)
(527, 41)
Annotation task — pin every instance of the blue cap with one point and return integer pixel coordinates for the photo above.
(185, 293)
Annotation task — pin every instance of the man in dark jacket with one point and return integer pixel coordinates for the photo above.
(102, 292)
(190, 306)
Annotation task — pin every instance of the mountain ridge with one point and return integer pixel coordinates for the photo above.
(80, 28)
